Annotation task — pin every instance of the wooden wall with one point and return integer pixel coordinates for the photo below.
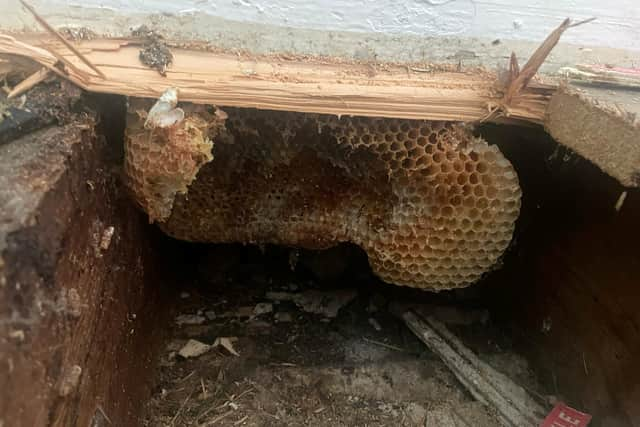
(570, 286)
(79, 317)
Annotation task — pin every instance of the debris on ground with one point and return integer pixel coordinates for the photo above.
(227, 344)
(327, 303)
(467, 414)
(190, 319)
(243, 312)
(268, 361)
(512, 403)
(154, 52)
(262, 308)
(416, 413)
(194, 348)
(449, 315)
(283, 317)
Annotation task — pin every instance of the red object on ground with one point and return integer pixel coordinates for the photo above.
(564, 416)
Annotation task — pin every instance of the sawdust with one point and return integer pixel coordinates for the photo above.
(78, 33)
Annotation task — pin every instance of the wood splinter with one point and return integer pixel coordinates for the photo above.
(60, 37)
(29, 82)
(519, 79)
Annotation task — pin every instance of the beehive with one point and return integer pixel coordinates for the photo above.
(432, 206)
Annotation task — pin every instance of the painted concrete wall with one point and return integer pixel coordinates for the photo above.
(618, 23)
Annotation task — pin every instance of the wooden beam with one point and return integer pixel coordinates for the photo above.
(311, 85)
(601, 124)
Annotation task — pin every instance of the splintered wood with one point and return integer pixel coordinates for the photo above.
(512, 403)
(276, 83)
(519, 80)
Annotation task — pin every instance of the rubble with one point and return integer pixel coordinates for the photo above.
(227, 344)
(448, 416)
(283, 317)
(416, 413)
(326, 303)
(190, 319)
(263, 308)
(194, 348)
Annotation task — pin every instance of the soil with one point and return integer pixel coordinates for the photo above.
(312, 370)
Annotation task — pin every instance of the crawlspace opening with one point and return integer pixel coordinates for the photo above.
(292, 336)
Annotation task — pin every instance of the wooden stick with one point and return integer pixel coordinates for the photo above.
(512, 403)
(218, 418)
(29, 82)
(60, 37)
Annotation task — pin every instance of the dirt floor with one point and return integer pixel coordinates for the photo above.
(296, 366)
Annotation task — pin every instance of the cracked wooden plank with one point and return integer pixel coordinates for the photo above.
(311, 85)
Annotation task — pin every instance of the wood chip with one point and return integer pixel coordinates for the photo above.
(31, 81)
(227, 344)
(194, 348)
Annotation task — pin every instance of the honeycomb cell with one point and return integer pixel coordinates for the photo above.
(438, 157)
(433, 206)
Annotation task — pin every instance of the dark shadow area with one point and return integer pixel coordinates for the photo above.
(563, 296)
(568, 288)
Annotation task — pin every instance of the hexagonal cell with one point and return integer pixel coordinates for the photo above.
(421, 206)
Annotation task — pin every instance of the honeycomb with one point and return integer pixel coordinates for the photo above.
(432, 206)
(165, 151)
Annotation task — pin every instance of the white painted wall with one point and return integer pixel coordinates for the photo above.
(618, 23)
